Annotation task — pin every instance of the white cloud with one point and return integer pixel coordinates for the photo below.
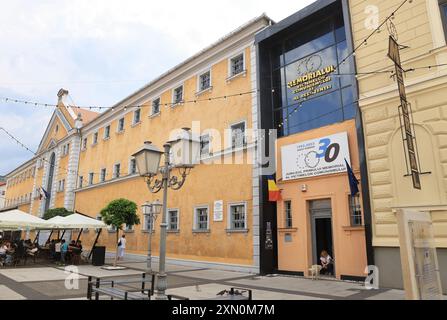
(103, 50)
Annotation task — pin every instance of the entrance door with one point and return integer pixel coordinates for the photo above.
(321, 220)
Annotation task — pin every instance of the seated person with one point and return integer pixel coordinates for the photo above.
(3, 251)
(52, 248)
(57, 249)
(3, 248)
(76, 252)
(79, 245)
(327, 263)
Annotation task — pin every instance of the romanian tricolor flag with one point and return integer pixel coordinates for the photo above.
(274, 192)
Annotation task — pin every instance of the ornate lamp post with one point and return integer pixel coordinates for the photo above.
(151, 211)
(185, 154)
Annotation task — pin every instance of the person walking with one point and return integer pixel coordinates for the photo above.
(64, 250)
(121, 247)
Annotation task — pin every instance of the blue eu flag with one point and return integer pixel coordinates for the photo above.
(353, 182)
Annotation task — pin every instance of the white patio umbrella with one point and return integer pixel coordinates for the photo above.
(55, 222)
(79, 221)
(19, 220)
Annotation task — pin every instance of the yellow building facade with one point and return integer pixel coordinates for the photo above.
(213, 219)
(419, 27)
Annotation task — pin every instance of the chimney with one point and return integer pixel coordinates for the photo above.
(61, 95)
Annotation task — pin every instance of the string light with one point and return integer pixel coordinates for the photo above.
(224, 97)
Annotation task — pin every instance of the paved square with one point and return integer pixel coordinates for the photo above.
(207, 291)
(317, 287)
(44, 282)
(210, 274)
(8, 294)
(35, 274)
(87, 270)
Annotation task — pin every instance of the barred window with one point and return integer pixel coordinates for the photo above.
(156, 106)
(84, 143)
(103, 174)
(148, 223)
(178, 95)
(121, 125)
(201, 218)
(173, 219)
(205, 145)
(136, 116)
(133, 166)
(237, 217)
(238, 135)
(355, 210)
(205, 81)
(237, 64)
(288, 214)
(107, 132)
(117, 170)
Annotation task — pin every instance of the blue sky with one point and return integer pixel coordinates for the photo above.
(101, 51)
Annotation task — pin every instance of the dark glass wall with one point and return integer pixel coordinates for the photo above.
(317, 36)
(311, 50)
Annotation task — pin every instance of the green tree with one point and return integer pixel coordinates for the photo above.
(117, 213)
(51, 213)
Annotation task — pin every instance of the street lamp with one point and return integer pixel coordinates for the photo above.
(185, 154)
(151, 211)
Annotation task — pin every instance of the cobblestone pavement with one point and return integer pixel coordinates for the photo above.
(46, 281)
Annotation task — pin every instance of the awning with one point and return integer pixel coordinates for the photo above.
(19, 220)
(78, 221)
(55, 222)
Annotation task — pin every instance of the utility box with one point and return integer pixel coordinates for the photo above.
(99, 256)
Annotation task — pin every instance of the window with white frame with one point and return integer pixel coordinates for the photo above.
(355, 210)
(60, 185)
(201, 219)
(117, 170)
(204, 81)
(288, 214)
(95, 138)
(237, 65)
(156, 106)
(238, 135)
(173, 219)
(128, 228)
(121, 125)
(237, 218)
(177, 95)
(107, 132)
(137, 116)
(148, 223)
(103, 174)
(205, 145)
(90, 178)
(132, 166)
